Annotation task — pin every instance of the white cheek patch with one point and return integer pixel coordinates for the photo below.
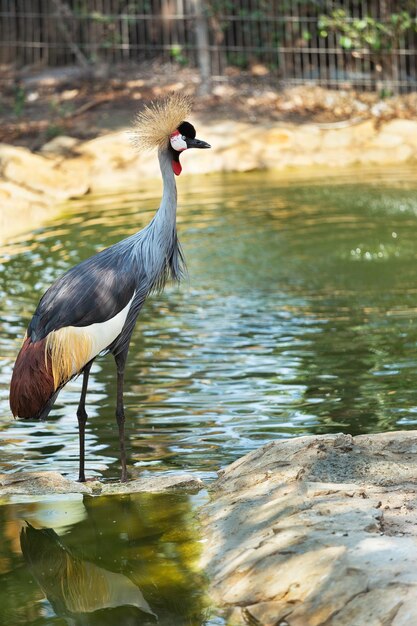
(177, 142)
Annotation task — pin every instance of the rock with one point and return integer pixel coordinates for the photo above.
(258, 69)
(39, 483)
(404, 128)
(60, 146)
(46, 483)
(336, 158)
(114, 163)
(388, 140)
(280, 138)
(397, 154)
(336, 139)
(155, 484)
(222, 91)
(363, 133)
(317, 531)
(307, 138)
(31, 207)
(39, 174)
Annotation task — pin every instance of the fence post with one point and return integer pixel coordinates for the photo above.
(202, 44)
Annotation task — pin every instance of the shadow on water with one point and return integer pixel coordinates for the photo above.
(111, 560)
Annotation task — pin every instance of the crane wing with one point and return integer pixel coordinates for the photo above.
(92, 292)
(79, 316)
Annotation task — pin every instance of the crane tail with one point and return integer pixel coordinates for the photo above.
(32, 388)
(43, 367)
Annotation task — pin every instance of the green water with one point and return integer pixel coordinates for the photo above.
(299, 317)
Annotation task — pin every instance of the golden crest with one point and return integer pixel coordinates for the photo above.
(155, 123)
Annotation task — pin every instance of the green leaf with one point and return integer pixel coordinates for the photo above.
(345, 42)
(360, 24)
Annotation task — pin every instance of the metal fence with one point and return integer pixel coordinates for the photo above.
(364, 44)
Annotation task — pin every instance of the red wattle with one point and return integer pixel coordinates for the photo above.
(176, 166)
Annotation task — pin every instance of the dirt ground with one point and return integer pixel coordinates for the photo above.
(39, 105)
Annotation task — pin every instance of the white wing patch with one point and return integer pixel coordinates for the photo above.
(104, 333)
(72, 347)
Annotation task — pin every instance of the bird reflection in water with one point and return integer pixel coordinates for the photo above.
(78, 590)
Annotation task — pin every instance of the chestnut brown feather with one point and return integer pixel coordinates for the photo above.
(32, 384)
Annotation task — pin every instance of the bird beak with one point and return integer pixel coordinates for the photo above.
(196, 143)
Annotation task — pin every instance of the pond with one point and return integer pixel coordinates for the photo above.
(101, 561)
(299, 317)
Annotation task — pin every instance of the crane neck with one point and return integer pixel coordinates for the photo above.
(167, 211)
(158, 250)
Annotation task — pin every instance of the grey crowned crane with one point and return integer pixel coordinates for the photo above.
(92, 309)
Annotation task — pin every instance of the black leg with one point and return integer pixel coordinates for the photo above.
(82, 419)
(120, 411)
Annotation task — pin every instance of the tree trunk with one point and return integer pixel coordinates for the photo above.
(202, 42)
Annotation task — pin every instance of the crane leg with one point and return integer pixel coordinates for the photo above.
(82, 419)
(120, 411)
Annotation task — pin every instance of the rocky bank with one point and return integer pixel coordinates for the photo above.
(32, 185)
(317, 531)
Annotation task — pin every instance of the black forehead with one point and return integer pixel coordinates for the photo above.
(187, 130)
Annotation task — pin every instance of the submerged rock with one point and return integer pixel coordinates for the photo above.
(38, 483)
(155, 484)
(317, 531)
(46, 483)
